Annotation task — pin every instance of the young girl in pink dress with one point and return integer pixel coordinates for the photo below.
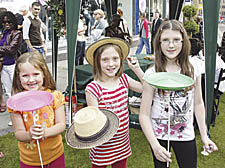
(109, 90)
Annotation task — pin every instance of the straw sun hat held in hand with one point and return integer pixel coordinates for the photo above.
(91, 127)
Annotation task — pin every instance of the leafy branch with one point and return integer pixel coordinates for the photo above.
(56, 8)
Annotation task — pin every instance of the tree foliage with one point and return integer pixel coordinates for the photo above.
(189, 12)
(56, 9)
(191, 27)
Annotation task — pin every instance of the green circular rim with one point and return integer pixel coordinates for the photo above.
(169, 80)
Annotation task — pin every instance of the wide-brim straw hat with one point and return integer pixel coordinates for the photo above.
(106, 40)
(99, 138)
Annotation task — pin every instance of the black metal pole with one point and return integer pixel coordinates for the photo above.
(54, 50)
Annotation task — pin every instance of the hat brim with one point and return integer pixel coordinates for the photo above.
(106, 40)
(74, 142)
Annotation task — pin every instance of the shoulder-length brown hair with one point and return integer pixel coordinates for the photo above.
(183, 57)
(37, 60)
(97, 57)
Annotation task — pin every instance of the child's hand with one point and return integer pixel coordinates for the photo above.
(162, 154)
(209, 145)
(37, 132)
(132, 62)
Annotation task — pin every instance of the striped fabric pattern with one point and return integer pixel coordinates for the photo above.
(115, 99)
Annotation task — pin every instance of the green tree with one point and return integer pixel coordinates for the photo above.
(190, 12)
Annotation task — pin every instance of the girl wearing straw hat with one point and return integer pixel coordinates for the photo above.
(109, 90)
(172, 48)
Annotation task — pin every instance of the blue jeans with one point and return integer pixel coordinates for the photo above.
(142, 42)
(40, 50)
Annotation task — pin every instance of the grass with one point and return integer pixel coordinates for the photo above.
(141, 157)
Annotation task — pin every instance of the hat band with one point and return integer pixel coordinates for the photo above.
(95, 136)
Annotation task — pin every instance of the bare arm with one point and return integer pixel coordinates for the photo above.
(146, 124)
(37, 131)
(19, 129)
(201, 118)
(91, 100)
(29, 45)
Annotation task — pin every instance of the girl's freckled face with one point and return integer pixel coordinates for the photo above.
(110, 62)
(31, 78)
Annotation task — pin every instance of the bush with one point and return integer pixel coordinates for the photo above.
(189, 11)
(191, 27)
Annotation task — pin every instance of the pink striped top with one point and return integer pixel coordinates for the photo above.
(115, 99)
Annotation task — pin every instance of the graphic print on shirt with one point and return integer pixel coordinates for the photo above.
(180, 104)
(41, 117)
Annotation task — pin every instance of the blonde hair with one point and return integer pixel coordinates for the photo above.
(37, 60)
(100, 12)
(120, 12)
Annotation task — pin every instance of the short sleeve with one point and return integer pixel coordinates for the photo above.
(94, 89)
(13, 111)
(124, 80)
(58, 99)
(198, 65)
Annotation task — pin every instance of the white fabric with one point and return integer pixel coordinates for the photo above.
(96, 34)
(219, 64)
(26, 26)
(181, 111)
(7, 78)
(81, 31)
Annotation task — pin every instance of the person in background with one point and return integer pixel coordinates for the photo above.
(32, 27)
(199, 35)
(2, 102)
(32, 73)
(172, 49)
(20, 18)
(100, 24)
(144, 35)
(155, 26)
(123, 23)
(114, 30)
(87, 22)
(81, 42)
(10, 45)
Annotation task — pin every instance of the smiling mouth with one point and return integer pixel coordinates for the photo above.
(32, 85)
(111, 70)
